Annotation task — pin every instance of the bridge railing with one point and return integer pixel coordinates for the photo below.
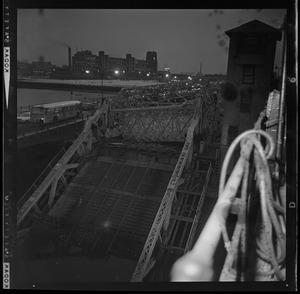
(41, 177)
(204, 109)
(47, 187)
(164, 212)
(29, 130)
(201, 257)
(262, 257)
(81, 146)
(25, 108)
(198, 210)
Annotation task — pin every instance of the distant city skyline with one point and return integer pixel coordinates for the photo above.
(184, 39)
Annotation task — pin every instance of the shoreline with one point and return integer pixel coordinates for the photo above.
(65, 87)
(84, 85)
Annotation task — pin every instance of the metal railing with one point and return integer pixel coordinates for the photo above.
(37, 129)
(203, 107)
(81, 145)
(41, 177)
(197, 264)
(253, 254)
(164, 212)
(26, 108)
(198, 210)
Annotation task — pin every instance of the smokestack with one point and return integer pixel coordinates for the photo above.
(69, 55)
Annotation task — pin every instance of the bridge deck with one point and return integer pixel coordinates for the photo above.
(184, 211)
(109, 207)
(107, 210)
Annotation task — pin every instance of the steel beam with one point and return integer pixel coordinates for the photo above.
(167, 200)
(33, 199)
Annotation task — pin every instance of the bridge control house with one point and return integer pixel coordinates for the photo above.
(249, 77)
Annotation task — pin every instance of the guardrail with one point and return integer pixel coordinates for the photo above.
(41, 177)
(164, 211)
(81, 145)
(21, 109)
(203, 107)
(198, 210)
(197, 264)
(37, 129)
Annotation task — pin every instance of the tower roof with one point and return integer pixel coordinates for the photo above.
(257, 27)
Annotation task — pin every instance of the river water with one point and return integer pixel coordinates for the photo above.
(26, 97)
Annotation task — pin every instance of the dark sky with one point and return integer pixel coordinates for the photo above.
(182, 38)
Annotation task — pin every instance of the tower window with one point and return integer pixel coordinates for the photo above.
(248, 73)
(251, 45)
(246, 100)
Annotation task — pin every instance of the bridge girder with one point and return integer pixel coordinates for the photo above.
(173, 122)
(155, 124)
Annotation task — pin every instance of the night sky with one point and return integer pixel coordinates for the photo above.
(182, 38)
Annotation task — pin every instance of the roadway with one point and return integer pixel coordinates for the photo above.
(29, 133)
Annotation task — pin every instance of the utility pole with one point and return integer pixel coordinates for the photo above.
(102, 82)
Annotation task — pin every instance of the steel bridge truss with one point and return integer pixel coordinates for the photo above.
(164, 211)
(163, 123)
(69, 161)
(156, 123)
(159, 95)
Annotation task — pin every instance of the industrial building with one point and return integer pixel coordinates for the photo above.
(85, 64)
(36, 68)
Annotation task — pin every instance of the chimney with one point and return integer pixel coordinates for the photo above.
(69, 56)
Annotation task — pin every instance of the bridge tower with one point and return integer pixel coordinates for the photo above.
(249, 77)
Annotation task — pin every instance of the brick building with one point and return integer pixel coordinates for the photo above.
(85, 64)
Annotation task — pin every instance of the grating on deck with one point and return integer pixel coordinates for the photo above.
(109, 207)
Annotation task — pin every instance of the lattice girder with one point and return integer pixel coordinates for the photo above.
(160, 124)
